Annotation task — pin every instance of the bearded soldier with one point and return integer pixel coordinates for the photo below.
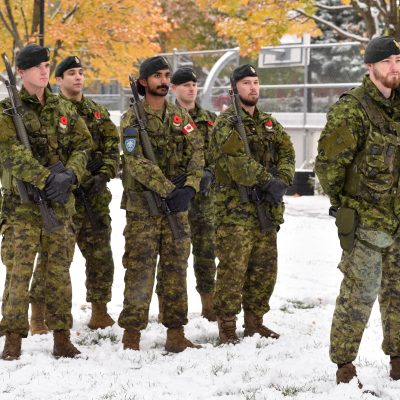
(358, 165)
(178, 149)
(247, 268)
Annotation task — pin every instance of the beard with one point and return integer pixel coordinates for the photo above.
(390, 82)
(156, 92)
(248, 102)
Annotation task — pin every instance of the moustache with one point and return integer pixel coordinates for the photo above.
(166, 87)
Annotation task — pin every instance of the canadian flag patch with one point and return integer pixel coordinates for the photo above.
(188, 128)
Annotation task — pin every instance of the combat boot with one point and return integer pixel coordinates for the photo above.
(100, 318)
(395, 368)
(176, 341)
(63, 346)
(227, 330)
(207, 306)
(346, 372)
(131, 339)
(37, 323)
(253, 324)
(12, 347)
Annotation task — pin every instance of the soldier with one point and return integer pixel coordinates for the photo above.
(92, 220)
(178, 148)
(201, 211)
(247, 268)
(56, 133)
(358, 167)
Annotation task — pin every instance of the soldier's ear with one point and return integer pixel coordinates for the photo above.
(59, 80)
(143, 81)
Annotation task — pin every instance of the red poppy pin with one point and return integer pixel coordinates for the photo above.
(268, 124)
(97, 115)
(63, 121)
(210, 123)
(176, 120)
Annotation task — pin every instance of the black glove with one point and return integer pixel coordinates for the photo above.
(58, 185)
(99, 183)
(178, 200)
(94, 165)
(205, 181)
(274, 190)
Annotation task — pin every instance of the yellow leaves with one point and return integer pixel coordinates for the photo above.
(259, 23)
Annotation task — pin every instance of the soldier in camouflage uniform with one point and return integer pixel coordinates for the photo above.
(201, 211)
(247, 268)
(56, 133)
(178, 148)
(358, 166)
(92, 220)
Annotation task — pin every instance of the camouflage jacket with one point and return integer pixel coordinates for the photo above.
(178, 148)
(272, 154)
(204, 121)
(56, 133)
(104, 135)
(358, 158)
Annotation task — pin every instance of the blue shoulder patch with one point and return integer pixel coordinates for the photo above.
(130, 131)
(130, 144)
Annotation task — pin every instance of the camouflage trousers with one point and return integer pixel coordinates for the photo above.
(21, 242)
(368, 271)
(202, 232)
(247, 269)
(147, 238)
(95, 245)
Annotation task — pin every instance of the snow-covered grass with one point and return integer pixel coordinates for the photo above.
(295, 366)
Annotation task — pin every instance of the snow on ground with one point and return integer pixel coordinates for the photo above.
(295, 366)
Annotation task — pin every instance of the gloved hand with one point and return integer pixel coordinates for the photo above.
(94, 165)
(178, 200)
(58, 185)
(205, 181)
(179, 180)
(274, 190)
(99, 183)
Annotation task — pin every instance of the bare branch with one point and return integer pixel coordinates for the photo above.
(25, 24)
(333, 8)
(6, 24)
(334, 27)
(70, 13)
(14, 27)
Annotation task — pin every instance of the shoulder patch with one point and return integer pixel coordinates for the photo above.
(191, 126)
(129, 139)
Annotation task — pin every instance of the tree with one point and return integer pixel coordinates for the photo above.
(109, 37)
(254, 24)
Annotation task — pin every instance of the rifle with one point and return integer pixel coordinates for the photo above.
(248, 193)
(95, 222)
(157, 204)
(25, 189)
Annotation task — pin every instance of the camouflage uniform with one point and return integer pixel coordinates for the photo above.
(247, 268)
(201, 216)
(148, 236)
(358, 166)
(56, 133)
(94, 243)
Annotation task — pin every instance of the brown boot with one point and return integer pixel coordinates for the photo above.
(207, 306)
(395, 368)
(100, 318)
(63, 346)
(37, 324)
(12, 347)
(227, 330)
(254, 324)
(346, 372)
(176, 341)
(131, 339)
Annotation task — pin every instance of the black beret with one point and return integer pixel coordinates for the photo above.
(67, 63)
(151, 65)
(242, 71)
(183, 75)
(32, 55)
(380, 48)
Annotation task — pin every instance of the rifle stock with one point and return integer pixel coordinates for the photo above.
(50, 221)
(157, 204)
